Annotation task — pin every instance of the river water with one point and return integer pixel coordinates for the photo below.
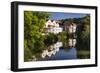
(58, 51)
(63, 55)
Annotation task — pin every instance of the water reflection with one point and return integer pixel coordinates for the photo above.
(72, 42)
(52, 50)
(58, 51)
(63, 55)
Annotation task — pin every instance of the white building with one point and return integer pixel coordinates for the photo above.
(53, 27)
(72, 28)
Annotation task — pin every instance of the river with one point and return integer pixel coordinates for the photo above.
(57, 51)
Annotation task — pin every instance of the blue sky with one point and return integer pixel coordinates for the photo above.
(59, 15)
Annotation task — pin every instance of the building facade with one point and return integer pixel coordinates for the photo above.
(53, 27)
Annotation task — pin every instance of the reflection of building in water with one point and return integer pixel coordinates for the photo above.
(52, 50)
(72, 42)
(52, 26)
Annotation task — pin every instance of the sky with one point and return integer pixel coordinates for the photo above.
(59, 15)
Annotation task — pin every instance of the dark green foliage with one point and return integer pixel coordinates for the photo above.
(72, 20)
(50, 39)
(83, 33)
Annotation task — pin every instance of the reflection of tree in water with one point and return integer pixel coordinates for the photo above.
(83, 54)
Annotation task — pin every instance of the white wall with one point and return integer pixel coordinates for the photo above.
(5, 36)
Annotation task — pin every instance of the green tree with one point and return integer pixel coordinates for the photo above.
(86, 31)
(34, 23)
(83, 33)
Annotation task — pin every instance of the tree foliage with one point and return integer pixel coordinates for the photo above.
(84, 33)
(50, 39)
(34, 23)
